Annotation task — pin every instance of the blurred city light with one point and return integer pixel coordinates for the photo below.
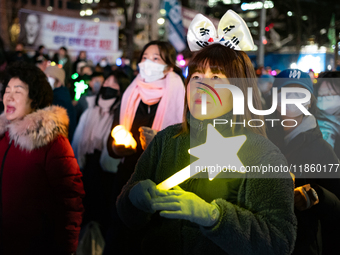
(251, 14)
(323, 31)
(82, 1)
(293, 66)
(289, 13)
(82, 13)
(212, 3)
(182, 62)
(304, 18)
(96, 19)
(118, 62)
(256, 24)
(97, 1)
(138, 15)
(89, 1)
(186, 72)
(311, 61)
(50, 8)
(162, 11)
(88, 12)
(257, 5)
(160, 21)
(268, 4)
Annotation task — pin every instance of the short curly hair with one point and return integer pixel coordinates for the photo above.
(39, 90)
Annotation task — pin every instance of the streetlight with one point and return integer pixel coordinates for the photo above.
(160, 21)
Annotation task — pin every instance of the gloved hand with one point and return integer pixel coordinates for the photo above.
(121, 150)
(141, 194)
(180, 204)
(146, 136)
(305, 197)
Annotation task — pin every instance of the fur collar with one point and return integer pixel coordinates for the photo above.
(36, 129)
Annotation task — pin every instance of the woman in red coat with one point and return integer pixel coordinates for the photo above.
(40, 182)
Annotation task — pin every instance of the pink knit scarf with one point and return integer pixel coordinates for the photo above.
(169, 92)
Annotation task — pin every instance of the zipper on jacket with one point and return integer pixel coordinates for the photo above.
(200, 126)
(1, 172)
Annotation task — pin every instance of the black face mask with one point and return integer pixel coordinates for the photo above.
(85, 77)
(108, 93)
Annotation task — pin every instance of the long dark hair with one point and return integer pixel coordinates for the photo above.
(233, 64)
(168, 55)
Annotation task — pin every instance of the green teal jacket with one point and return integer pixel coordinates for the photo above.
(257, 210)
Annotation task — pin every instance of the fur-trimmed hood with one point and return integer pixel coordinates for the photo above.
(36, 129)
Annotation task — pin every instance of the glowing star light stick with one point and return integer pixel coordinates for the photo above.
(123, 137)
(216, 151)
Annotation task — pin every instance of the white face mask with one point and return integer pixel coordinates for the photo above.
(291, 109)
(51, 81)
(96, 87)
(151, 71)
(103, 63)
(329, 104)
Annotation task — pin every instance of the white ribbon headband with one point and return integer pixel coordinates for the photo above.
(232, 32)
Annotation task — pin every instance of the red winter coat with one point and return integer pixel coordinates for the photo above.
(40, 184)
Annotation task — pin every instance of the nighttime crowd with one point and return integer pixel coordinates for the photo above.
(68, 185)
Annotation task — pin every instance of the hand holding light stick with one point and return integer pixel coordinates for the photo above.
(175, 179)
(227, 156)
(123, 137)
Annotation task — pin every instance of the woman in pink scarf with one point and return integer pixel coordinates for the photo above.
(153, 101)
(89, 146)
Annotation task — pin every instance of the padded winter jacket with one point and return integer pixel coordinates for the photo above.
(257, 215)
(41, 188)
(309, 148)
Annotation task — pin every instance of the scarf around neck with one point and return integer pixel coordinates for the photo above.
(93, 128)
(169, 92)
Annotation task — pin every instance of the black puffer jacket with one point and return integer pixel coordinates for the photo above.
(309, 148)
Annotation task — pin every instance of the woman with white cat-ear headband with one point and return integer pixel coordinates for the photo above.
(234, 211)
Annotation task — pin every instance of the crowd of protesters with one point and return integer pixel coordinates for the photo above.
(67, 185)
